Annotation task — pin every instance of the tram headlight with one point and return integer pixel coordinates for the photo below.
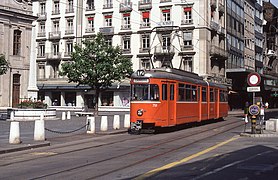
(140, 112)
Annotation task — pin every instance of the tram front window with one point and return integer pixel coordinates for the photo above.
(144, 92)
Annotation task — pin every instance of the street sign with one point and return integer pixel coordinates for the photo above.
(254, 79)
(254, 89)
(254, 110)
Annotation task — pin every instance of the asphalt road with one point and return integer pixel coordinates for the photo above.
(210, 151)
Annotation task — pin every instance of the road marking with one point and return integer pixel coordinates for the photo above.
(43, 153)
(168, 166)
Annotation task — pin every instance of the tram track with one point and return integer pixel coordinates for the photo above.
(227, 127)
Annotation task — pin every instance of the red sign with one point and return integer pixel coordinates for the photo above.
(253, 79)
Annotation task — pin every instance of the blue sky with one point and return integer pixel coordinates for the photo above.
(275, 2)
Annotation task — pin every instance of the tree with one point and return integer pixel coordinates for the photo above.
(3, 65)
(96, 64)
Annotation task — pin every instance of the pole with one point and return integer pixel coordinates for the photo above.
(253, 97)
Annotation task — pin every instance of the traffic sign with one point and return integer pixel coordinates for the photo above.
(254, 89)
(254, 110)
(254, 79)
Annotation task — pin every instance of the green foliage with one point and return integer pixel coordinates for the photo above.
(3, 65)
(96, 64)
(32, 104)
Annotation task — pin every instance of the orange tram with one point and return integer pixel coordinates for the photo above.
(169, 97)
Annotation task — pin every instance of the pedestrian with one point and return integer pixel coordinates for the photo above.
(246, 108)
(261, 116)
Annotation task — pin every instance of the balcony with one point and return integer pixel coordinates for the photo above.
(145, 4)
(54, 56)
(164, 49)
(214, 26)
(90, 8)
(41, 56)
(166, 23)
(126, 51)
(56, 12)
(90, 30)
(221, 31)
(144, 50)
(145, 25)
(107, 30)
(187, 48)
(41, 34)
(67, 54)
(217, 51)
(186, 21)
(108, 6)
(124, 7)
(163, 1)
(69, 32)
(126, 27)
(55, 35)
(70, 10)
(42, 16)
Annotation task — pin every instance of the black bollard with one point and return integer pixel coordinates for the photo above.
(253, 124)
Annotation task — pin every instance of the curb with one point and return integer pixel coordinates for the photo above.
(26, 147)
(258, 135)
(112, 132)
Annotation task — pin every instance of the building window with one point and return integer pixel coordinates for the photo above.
(166, 15)
(90, 24)
(145, 41)
(107, 99)
(70, 6)
(69, 47)
(126, 43)
(41, 50)
(108, 20)
(126, 21)
(42, 27)
(145, 19)
(56, 26)
(108, 40)
(56, 9)
(187, 15)
(55, 49)
(187, 64)
(108, 4)
(17, 42)
(41, 71)
(145, 64)
(69, 26)
(187, 39)
(42, 8)
(166, 41)
(90, 5)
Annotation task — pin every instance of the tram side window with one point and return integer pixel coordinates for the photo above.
(164, 91)
(181, 92)
(223, 96)
(172, 91)
(194, 93)
(211, 95)
(140, 92)
(188, 92)
(204, 94)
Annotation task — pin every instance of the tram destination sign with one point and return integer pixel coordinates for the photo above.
(254, 89)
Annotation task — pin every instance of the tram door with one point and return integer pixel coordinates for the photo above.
(168, 102)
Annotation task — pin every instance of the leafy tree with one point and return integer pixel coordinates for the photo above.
(97, 64)
(3, 65)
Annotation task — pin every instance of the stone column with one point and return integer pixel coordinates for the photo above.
(32, 84)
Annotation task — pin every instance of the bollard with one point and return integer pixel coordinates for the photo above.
(63, 115)
(68, 115)
(91, 127)
(253, 124)
(41, 116)
(127, 121)
(116, 122)
(14, 133)
(12, 116)
(39, 134)
(103, 123)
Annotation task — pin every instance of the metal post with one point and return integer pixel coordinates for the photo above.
(253, 97)
(253, 124)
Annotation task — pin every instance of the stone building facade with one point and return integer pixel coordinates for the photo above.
(15, 44)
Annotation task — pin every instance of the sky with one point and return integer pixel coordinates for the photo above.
(275, 2)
